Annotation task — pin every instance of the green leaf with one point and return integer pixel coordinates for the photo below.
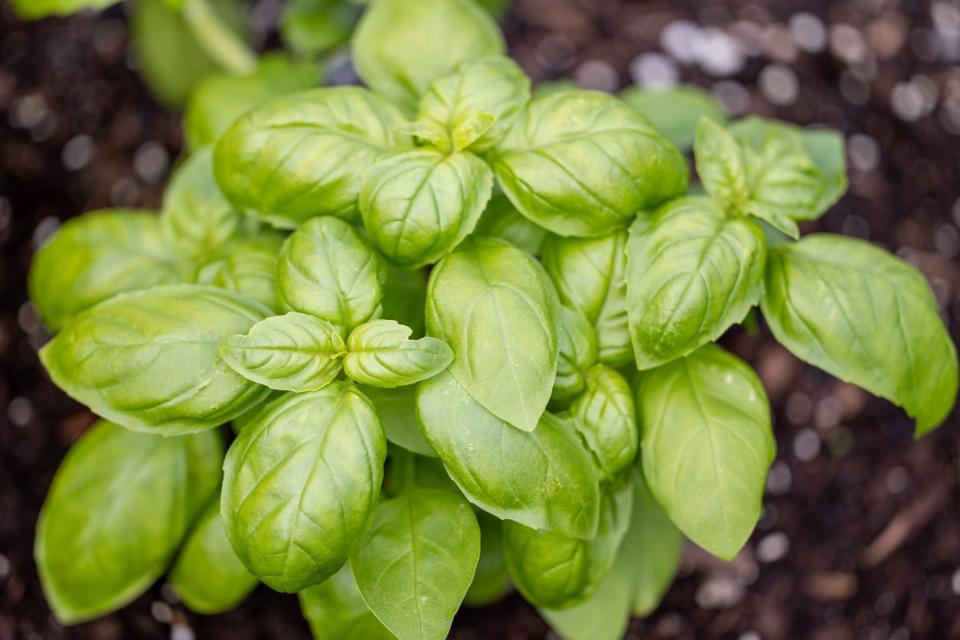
(583, 164)
(293, 352)
(380, 353)
(590, 275)
(706, 445)
(328, 270)
(310, 28)
(169, 57)
(494, 87)
(721, 165)
(208, 577)
(301, 483)
(34, 9)
(197, 219)
(651, 549)
(397, 409)
(544, 479)
(96, 256)
(336, 610)
(117, 510)
(866, 317)
(148, 360)
(554, 571)
(419, 205)
(418, 561)
(247, 266)
(578, 352)
(491, 581)
(606, 419)
(603, 616)
(495, 307)
(692, 273)
(676, 111)
(502, 220)
(401, 46)
(221, 99)
(303, 155)
(405, 298)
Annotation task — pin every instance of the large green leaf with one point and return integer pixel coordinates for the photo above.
(380, 353)
(502, 220)
(419, 205)
(491, 581)
(675, 111)
(336, 610)
(303, 155)
(292, 352)
(582, 163)
(95, 257)
(401, 46)
(117, 510)
(33, 9)
(496, 308)
(148, 359)
(247, 266)
(864, 316)
(418, 561)
(706, 445)
(544, 479)
(590, 275)
(328, 270)
(208, 577)
(397, 409)
(692, 272)
(651, 549)
(301, 483)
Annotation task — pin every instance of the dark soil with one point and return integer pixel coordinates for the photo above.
(861, 531)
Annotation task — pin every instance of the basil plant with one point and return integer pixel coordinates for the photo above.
(465, 339)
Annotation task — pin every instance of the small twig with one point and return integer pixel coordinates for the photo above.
(906, 522)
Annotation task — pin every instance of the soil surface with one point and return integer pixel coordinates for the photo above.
(860, 536)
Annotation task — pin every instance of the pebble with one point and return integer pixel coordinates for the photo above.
(44, 229)
(946, 239)
(78, 152)
(828, 413)
(779, 44)
(847, 44)
(28, 319)
(856, 226)
(806, 445)
(161, 611)
(719, 592)
(863, 152)
(799, 408)
(555, 51)
(955, 582)
(598, 75)
(124, 192)
(779, 478)
(896, 480)
(20, 411)
(733, 96)
(719, 54)
(915, 99)
(773, 547)
(181, 632)
(654, 70)
(886, 35)
(885, 604)
(151, 162)
(679, 39)
(4, 566)
(750, 635)
(854, 88)
(779, 84)
(808, 32)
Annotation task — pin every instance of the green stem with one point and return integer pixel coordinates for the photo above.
(223, 45)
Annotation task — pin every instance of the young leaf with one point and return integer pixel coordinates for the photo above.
(706, 445)
(393, 57)
(419, 205)
(127, 497)
(544, 479)
(380, 353)
(148, 360)
(197, 219)
(247, 266)
(502, 220)
(301, 483)
(418, 561)
(578, 352)
(494, 86)
(554, 571)
(397, 410)
(303, 155)
(491, 582)
(220, 100)
(496, 308)
(651, 549)
(95, 257)
(582, 163)
(328, 270)
(336, 610)
(311, 28)
(692, 273)
(208, 576)
(293, 352)
(721, 165)
(590, 275)
(675, 112)
(866, 317)
(606, 420)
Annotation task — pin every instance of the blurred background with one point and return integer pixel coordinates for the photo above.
(860, 536)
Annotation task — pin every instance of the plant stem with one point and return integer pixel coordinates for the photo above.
(223, 45)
